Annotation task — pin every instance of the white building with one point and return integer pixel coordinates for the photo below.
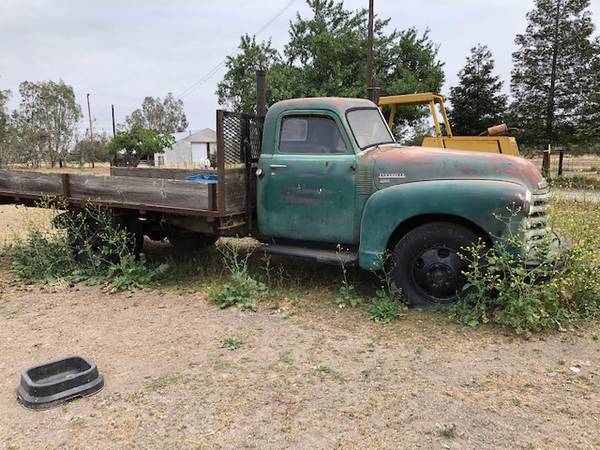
(191, 149)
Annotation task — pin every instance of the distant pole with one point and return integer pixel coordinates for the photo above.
(90, 116)
(370, 47)
(112, 109)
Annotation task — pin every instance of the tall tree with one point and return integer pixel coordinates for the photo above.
(160, 115)
(93, 150)
(237, 90)
(477, 101)
(550, 78)
(326, 56)
(588, 130)
(46, 120)
(4, 128)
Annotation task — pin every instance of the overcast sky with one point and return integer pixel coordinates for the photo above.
(121, 51)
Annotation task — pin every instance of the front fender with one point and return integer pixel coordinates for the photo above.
(484, 203)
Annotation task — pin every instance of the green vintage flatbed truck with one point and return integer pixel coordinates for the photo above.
(316, 175)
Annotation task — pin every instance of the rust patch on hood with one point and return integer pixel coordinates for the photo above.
(422, 163)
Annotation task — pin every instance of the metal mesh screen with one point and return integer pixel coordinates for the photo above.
(238, 128)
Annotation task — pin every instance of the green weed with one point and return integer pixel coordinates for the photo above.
(242, 290)
(85, 246)
(384, 310)
(551, 295)
(231, 343)
(346, 295)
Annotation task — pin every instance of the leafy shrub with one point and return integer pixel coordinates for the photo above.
(40, 258)
(86, 246)
(132, 273)
(552, 295)
(242, 290)
(384, 310)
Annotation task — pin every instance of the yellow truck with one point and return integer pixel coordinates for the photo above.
(492, 140)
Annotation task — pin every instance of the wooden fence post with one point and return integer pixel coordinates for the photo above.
(546, 163)
(561, 155)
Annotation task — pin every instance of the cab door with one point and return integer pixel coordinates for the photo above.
(306, 187)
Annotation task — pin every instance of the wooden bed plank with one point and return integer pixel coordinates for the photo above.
(153, 191)
(115, 190)
(33, 183)
(153, 172)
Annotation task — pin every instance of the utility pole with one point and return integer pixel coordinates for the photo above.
(370, 46)
(90, 116)
(112, 109)
(261, 92)
(372, 90)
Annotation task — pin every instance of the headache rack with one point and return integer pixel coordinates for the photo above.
(239, 138)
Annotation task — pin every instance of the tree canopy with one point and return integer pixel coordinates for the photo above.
(91, 151)
(326, 56)
(45, 121)
(160, 115)
(553, 68)
(477, 100)
(128, 148)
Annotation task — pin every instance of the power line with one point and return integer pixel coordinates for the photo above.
(219, 66)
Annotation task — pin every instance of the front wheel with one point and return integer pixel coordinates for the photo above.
(427, 266)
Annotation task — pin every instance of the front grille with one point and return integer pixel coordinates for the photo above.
(536, 227)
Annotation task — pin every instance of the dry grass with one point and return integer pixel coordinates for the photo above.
(17, 220)
(588, 165)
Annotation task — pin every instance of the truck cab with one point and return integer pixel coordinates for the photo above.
(331, 175)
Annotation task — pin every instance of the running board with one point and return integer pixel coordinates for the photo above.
(323, 256)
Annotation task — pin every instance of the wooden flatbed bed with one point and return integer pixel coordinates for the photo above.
(128, 188)
(162, 195)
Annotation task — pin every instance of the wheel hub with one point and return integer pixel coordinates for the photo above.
(438, 272)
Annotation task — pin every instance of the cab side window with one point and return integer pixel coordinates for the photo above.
(310, 135)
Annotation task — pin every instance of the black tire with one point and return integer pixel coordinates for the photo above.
(426, 264)
(187, 241)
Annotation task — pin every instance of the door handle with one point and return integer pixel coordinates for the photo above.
(278, 166)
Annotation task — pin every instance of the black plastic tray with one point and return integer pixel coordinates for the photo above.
(56, 382)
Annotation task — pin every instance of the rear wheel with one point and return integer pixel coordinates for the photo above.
(427, 266)
(187, 241)
(91, 236)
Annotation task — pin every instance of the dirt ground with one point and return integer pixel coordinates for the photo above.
(306, 375)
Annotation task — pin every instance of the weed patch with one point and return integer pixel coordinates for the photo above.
(384, 310)
(346, 295)
(551, 295)
(242, 290)
(231, 343)
(85, 246)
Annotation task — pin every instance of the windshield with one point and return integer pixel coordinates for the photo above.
(368, 127)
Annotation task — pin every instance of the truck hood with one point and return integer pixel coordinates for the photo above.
(394, 164)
